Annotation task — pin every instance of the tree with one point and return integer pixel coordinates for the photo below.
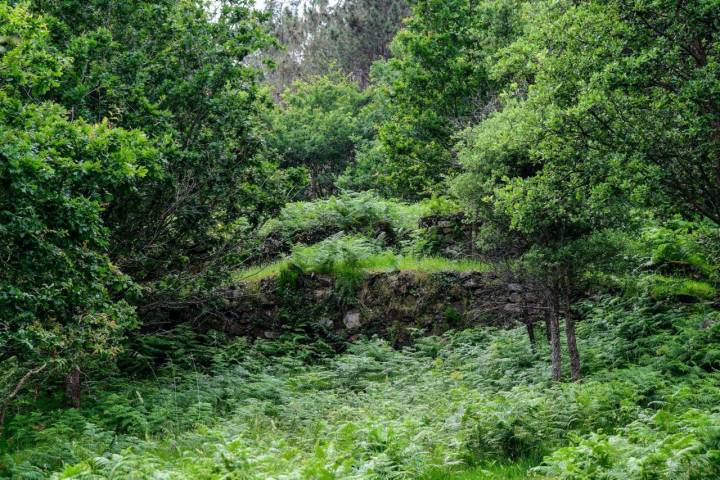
(436, 80)
(636, 82)
(318, 37)
(131, 168)
(555, 204)
(626, 96)
(550, 166)
(318, 125)
(62, 301)
(521, 185)
(176, 70)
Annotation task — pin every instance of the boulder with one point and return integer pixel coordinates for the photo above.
(352, 320)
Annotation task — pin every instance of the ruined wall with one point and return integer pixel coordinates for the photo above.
(395, 305)
(277, 244)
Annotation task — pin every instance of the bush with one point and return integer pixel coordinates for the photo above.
(340, 256)
(63, 303)
(664, 446)
(678, 339)
(346, 211)
(395, 225)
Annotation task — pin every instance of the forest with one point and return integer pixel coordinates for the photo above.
(360, 239)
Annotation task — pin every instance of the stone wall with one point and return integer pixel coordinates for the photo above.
(395, 305)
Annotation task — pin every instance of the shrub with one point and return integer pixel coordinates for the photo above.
(348, 211)
(340, 256)
(664, 446)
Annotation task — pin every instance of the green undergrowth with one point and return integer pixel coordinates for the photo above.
(675, 261)
(489, 471)
(376, 263)
(354, 212)
(474, 404)
(351, 255)
(263, 411)
(393, 224)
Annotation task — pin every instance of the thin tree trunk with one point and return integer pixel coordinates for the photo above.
(315, 192)
(531, 333)
(572, 347)
(72, 387)
(546, 318)
(570, 335)
(528, 321)
(554, 328)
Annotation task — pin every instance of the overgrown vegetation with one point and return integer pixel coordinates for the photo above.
(351, 255)
(391, 224)
(155, 153)
(354, 212)
(275, 408)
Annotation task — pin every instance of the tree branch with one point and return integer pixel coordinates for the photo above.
(18, 388)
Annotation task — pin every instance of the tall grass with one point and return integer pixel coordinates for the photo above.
(475, 404)
(256, 273)
(422, 264)
(260, 412)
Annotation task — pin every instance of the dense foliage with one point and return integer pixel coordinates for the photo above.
(61, 297)
(130, 167)
(318, 126)
(467, 398)
(436, 80)
(176, 71)
(157, 157)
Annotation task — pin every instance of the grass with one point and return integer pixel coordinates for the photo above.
(343, 255)
(256, 273)
(424, 264)
(381, 262)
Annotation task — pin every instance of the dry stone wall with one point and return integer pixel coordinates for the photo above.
(394, 305)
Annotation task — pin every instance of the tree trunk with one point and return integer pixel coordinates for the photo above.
(531, 333)
(528, 322)
(572, 347)
(546, 318)
(313, 185)
(551, 318)
(72, 387)
(570, 332)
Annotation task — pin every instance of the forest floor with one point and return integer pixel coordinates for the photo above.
(475, 404)
(271, 410)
